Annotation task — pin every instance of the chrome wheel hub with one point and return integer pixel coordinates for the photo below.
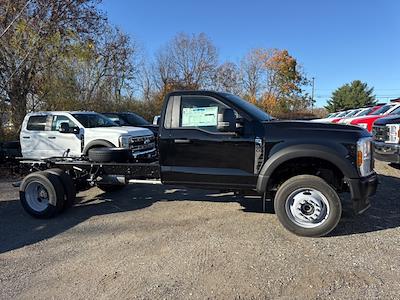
(36, 196)
(307, 207)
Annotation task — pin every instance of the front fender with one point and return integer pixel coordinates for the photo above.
(334, 156)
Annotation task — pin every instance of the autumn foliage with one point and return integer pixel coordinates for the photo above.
(60, 56)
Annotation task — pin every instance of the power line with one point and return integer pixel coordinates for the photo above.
(16, 17)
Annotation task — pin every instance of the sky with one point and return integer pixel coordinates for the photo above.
(335, 41)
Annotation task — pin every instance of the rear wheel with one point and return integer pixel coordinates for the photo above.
(308, 206)
(68, 184)
(42, 194)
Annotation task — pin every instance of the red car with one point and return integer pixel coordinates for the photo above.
(366, 122)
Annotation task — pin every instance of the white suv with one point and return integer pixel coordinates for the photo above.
(59, 133)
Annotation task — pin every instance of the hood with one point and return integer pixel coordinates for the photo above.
(305, 132)
(395, 119)
(315, 126)
(126, 130)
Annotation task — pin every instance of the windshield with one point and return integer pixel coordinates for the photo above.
(396, 111)
(342, 114)
(134, 119)
(382, 110)
(248, 107)
(352, 113)
(93, 120)
(364, 112)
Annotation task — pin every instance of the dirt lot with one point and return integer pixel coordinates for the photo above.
(152, 241)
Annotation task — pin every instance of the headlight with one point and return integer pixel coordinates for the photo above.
(124, 141)
(393, 133)
(364, 156)
(363, 125)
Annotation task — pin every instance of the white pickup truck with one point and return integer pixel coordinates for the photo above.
(73, 134)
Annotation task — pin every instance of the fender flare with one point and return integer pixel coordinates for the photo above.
(300, 151)
(96, 143)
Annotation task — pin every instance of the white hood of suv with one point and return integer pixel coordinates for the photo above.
(131, 131)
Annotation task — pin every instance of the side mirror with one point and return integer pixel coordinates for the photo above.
(64, 128)
(227, 120)
(156, 120)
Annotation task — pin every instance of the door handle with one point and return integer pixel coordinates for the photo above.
(182, 141)
(52, 137)
(26, 137)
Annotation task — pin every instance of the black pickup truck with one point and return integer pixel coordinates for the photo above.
(216, 140)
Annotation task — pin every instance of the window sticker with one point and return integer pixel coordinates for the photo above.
(199, 116)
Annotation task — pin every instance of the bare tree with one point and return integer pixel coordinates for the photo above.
(227, 78)
(252, 72)
(187, 62)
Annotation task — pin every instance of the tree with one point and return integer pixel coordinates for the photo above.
(252, 74)
(187, 61)
(273, 80)
(227, 78)
(351, 95)
(40, 31)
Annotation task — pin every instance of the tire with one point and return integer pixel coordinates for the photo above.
(308, 206)
(68, 184)
(109, 188)
(105, 154)
(42, 195)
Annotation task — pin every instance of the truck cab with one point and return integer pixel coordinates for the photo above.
(217, 140)
(73, 134)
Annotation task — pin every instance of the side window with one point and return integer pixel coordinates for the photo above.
(57, 120)
(200, 112)
(36, 123)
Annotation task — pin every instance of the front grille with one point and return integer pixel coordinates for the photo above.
(380, 133)
(142, 143)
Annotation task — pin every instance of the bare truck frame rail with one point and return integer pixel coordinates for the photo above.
(78, 166)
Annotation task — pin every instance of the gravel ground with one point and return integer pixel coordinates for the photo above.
(152, 241)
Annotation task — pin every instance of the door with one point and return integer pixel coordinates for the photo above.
(33, 138)
(64, 144)
(194, 152)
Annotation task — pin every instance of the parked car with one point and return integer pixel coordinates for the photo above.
(131, 119)
(218, 141)
(364, 112)
(330, 118)
(366, 122)
(386, 135)
(74, 134)
(350, 113)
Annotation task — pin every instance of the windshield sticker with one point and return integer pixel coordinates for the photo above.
(199, 116)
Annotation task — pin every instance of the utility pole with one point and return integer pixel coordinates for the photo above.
(312, 95)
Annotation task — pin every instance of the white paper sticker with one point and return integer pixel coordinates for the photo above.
(199, 116)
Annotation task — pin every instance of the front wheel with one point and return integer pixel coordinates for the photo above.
(307, 205)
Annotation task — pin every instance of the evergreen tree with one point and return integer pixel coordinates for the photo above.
(351, 95)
